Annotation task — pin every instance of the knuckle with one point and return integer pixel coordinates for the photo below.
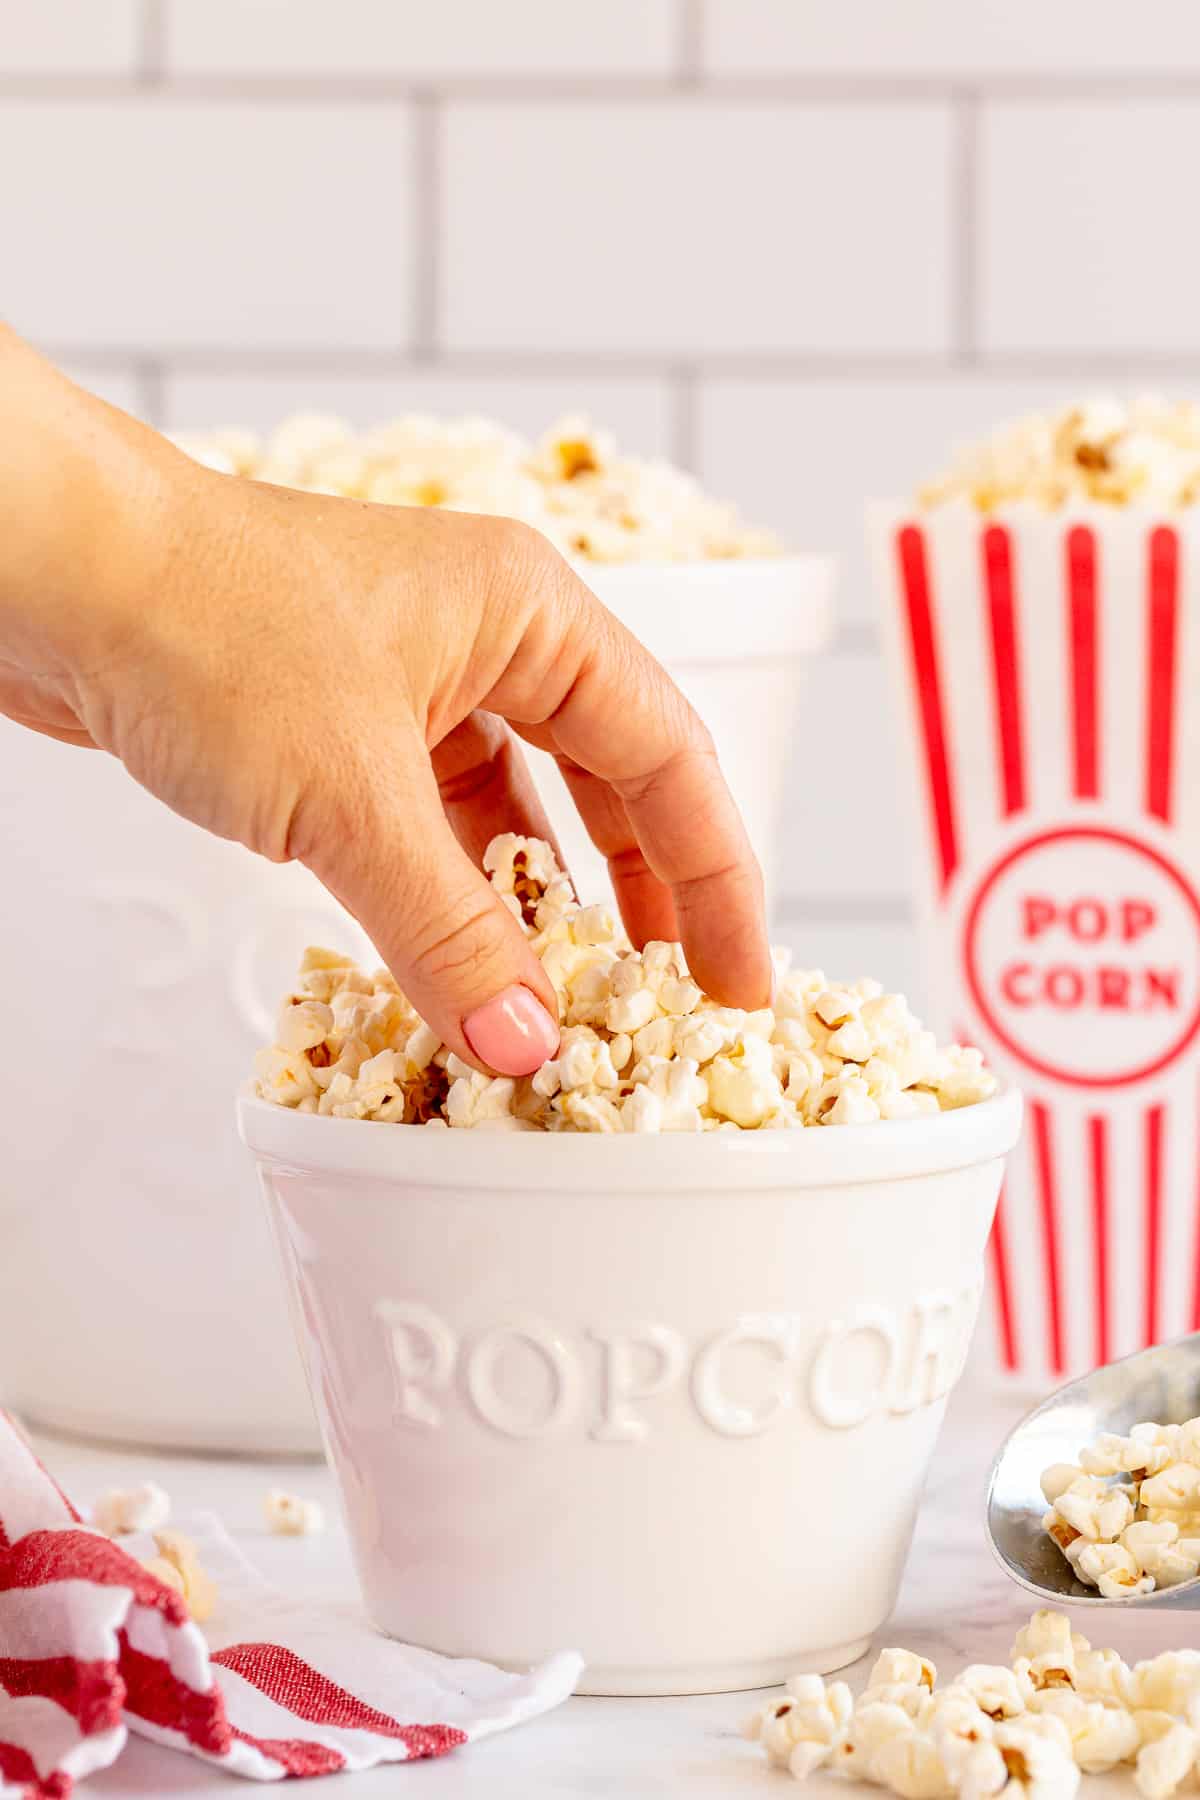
(465, 939)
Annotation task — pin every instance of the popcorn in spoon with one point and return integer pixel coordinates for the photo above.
(574, 485)
(642, 1048)
(1127, 1516)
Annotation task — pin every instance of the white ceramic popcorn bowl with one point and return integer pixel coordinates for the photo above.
(668, 1401)
(738, 636)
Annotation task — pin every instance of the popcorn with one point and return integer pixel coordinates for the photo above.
(642, 1048)
(178, 1564)
(992, 1732)
(289, 1516)
(1146, 453)
(574, 485)
(1140, 1536)
(122, 1510)
(1163, 1765)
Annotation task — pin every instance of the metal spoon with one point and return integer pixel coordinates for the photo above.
(1162, 1384)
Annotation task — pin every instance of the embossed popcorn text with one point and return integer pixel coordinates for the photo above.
(526, 1378)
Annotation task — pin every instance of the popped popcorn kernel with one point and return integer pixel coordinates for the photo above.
(196, 1586)
(290, 1516)
(119, 1511)
(642, 1048)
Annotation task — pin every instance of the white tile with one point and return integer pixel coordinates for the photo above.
(178, 222)
(69, 37)
(950, 37)
(451, 37)
(679, 227)
(847, 828)
(119, 386)
(638, 411)
(806, 456)
(848, 949)
(1086, 240)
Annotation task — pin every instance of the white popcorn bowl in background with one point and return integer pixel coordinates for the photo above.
(1048, 670)
(737, 636)
(139, 1296)
(669, 1401)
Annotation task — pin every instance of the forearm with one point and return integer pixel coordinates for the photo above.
(84, 503)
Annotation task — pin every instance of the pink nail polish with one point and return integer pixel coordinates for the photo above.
(513, 1033)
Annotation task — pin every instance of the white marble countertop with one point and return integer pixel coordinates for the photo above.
(956, 1607)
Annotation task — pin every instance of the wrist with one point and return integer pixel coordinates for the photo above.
(86, 494)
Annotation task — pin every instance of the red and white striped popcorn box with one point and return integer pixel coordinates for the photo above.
(1049, 672)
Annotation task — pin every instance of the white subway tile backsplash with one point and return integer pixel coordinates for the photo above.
(119, 386)
(1085, 242)
(849, 948)
(449, 38)
(847, 818)
(932, 38)
(158, 222)
(678, 227)
(65, 37)
(806, 456)
(638, 411)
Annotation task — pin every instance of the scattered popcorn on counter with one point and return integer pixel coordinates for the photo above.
(642, 1050)
(289, 1516)
(1025, 1732)
(178, 1564)
(574, 485)
(1146, 453)
(1127, 1515)
(124, 1510)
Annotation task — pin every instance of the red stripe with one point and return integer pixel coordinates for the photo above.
(43, 1557)
(1098, 1145)
(294, 1684)
(296, 1755)
(1082, 634)
(1005, 1316)
(158, 1697)
(1154, 1155)
(92, 1692)
(1047, 1195)
(927, 682)
(16, 1764)
(996, 548)
(1162, 620)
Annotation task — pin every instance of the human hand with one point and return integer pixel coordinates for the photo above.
(332, 681)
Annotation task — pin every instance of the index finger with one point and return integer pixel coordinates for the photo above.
(621, 718)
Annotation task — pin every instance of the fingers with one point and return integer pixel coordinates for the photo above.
(485, 785)
(647, 905)
(380, 841)
(613, 711)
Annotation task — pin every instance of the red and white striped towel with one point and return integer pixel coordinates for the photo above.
(92, 1647)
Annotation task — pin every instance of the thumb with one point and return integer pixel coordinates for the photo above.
(387, 852)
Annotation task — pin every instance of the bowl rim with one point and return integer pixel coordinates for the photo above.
(846, 1155)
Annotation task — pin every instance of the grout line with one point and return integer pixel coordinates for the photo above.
(685, 422)
(966, 228)
(816, 367)
(426, 241)
(152, 44)
(150, 377)
(826, 90)
(689, 42)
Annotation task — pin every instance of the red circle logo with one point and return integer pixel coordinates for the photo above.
(1082, 950)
